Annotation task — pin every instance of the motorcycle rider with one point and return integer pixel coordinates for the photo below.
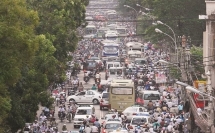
(97, 124)
(94, 87)
(61, 110)
(75, 83)
(69, 111)
(98, 76)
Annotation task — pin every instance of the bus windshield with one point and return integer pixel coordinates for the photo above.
(134, 56)
(111, 49)
(141, 62)
(122, 91)
(121, 31)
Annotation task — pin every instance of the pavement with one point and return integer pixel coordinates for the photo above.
(99, 114)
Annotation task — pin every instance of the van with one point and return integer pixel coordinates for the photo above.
(144, 96)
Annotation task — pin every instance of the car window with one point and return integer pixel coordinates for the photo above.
(136, 121)
(151, 97)
(90, 93)
(140, 109)
(81, 94)
(112, 126)
(105, 95)
(83, 112)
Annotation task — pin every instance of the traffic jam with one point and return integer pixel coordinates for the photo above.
(121, 75)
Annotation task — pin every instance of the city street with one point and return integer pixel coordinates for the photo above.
(99, 114)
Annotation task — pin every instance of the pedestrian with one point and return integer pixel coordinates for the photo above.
(180, 108)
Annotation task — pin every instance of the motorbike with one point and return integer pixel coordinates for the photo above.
(86, 79)
(61, 116)
(73, 114)
(69, 117)
(81, 129)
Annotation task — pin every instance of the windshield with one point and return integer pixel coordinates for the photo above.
(83, 112)
(112, 126)
(113, 38)
(90, 31)
(136, 121)
(151, 97)
(119, 72)
(122, 91)
(141, 62)
(134, 56)
(121, 31)
(111, 49)
(112, 72)
(105, 95)
(91, 64)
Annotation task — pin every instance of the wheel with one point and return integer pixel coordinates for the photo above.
(74, 126)
(72, 100)
(101, 108)
(95, 101)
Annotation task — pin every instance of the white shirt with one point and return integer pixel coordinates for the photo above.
(169, 128)
(75, 82)
(35, 124)
(98, 75)
(94, 129)
(169, 104)
(87, 130)
(199, 111)
(42, 118)
(61, 110)
(164, 93)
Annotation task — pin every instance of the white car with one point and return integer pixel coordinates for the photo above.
(89, 96)
(133, 111)
(110, 126)
(81, 114)
(139, 119)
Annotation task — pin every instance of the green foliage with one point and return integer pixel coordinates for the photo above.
(35, 40)
(174, 72)
(180, 15)
(17, 49)
(197, 61)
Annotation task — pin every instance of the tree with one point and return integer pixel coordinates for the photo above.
(59, 20)
(31, 90)
(181, 15)
(17, 48)
(197, 62)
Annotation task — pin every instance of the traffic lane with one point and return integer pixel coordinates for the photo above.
(70, 126)
(90, 83)
(99, 114)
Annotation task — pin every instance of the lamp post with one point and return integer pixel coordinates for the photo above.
(136, 14)
(147, 9)
(176, 48)
(159, 22)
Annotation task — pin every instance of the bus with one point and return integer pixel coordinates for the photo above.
(101, 32)
(131, 56)
(122, 31)
(112, 36)
(110, 49)
(90, 29)
(121, 94)
(134, 46)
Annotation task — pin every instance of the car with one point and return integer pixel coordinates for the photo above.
(104, 100)
(111, 126)
(89, 96)
(81, 114)
(133, 110)
(139, 119)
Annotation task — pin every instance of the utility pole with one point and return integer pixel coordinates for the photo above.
(209, 56)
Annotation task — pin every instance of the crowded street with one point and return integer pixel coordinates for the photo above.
(119, 74)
